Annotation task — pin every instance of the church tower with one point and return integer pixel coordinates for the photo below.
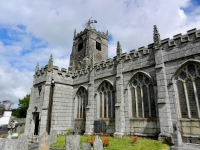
(87, 45)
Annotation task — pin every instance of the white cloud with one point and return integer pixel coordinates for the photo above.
(53, 23)
(182, 14)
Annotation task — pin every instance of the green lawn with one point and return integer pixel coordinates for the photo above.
(122, 144)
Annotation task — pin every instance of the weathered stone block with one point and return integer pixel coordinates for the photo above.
(86, 146)
(72, 142)
(186, 130)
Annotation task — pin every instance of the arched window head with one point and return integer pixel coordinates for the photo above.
(142, 96)
(188, 86)
(106, 103)
(82, 102)
(80, 44)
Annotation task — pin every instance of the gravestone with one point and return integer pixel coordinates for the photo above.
(80, 128)
(43, 141)
(72, 142)
(103, 126)
(86, 146)
(52, 137)
(98, 143)
(177, 139)
(177, 135)
(99, 126)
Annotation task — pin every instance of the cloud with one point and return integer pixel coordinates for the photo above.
(182, 14)
(32, 30)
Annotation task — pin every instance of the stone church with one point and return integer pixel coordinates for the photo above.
(143, 92)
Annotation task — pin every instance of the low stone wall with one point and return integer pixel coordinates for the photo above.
(191, 139)
(143, 126)
(190, 127)
(19, 128)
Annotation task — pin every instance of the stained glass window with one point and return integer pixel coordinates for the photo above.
(82, 102)
(142, 96)
(107, 100)
(188, 85)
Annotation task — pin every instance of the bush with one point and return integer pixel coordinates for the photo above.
(69, 130)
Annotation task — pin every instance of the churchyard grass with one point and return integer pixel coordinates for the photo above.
(3, 136)
(121, 144)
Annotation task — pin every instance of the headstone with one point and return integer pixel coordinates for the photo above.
(98, 143)
(97, 126)
(103, 126)
(177, 135)
(43, 142)
(177, 139)
(52, 137)
(86, 146)
(77, 129)
(72, 142)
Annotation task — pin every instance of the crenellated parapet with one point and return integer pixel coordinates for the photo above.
(101, 34)
(180, 39)
(44, 73)
(135, 59)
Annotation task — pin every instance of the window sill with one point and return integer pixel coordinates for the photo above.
(143, 119)
(189, 119)
(106, 119)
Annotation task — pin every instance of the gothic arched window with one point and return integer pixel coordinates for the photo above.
(82, 102)
(142, 97)
(106, 103)
(188, 86)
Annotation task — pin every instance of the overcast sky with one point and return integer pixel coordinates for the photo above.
(31, 30)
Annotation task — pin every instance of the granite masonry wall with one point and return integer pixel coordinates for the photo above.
(160, 64)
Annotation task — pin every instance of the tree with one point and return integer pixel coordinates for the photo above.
(22, 107)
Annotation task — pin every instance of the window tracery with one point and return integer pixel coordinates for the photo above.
(106, 100)
(142, 97)
(82, 102)
(188, 86)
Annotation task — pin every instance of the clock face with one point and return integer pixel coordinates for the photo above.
(98, 56)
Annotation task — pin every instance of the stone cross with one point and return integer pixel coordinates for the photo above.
(98, 143)
(72, 142)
